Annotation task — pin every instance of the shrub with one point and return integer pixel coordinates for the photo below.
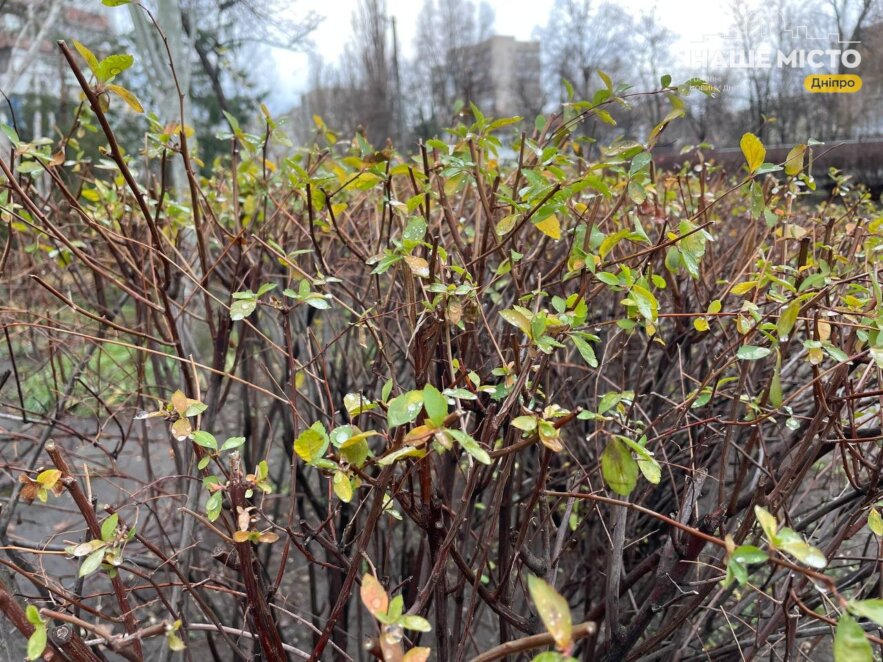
(516, 389)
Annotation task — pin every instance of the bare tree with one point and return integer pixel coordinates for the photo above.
(212, 38)
(447, 69)
(652, 55)
(370, 53)
(580, 38)
(39, 19)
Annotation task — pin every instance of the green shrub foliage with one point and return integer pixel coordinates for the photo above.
(503, 383)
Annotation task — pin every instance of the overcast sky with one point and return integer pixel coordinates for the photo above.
(691, 19)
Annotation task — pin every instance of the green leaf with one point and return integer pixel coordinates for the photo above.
(767, 167)
(871, 609)
(551, 656)
(356, 453)
(525, 423)
(753, 150)
(608, 83)
(553, 610)
(749, 555)
(205, 439)
(619, 467)
(37, 642)
(213, 505)
(109, 527)
(850, 642)
(646, 462)
(416, 623)
(639, 163)
(470, 445)
(585, 350)
(115, 3)
(310, 445)
(735, 570)
(242, 308)
(33, 615)
(317, 301)
(790, 542)
(517, 319)
(399, 453)
(752, 352)
(232, 121)
(396, 607)
(875, 522)
(647, 304)
(612, 398)
(787, 319)
(112, 66)
(356, 403)
(436, 405)
(232, 443)
(91, 563)
(194, 407)
(404, 408)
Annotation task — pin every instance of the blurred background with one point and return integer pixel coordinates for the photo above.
(403, 70)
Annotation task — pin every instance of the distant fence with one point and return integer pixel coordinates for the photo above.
(859, 158)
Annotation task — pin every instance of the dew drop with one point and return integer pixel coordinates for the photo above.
(393, 634)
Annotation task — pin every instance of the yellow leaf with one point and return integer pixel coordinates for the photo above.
(767, 522)
(554, 611)
(373, 596)
(419, 266)
(794, 161)
(505, 224)
(268, 537)
(550, 227)
(417, 654)
(742, 288)
(875, 522)
(241, 536)
(91, 60)
(48, 478)
(419, 435)
(775, 395)
(342, 487)
(179, 402)
(181, 429)
(130, 99)
(753, 150)
(700, 324)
